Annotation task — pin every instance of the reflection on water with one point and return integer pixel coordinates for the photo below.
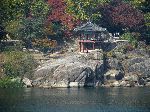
(75, 100)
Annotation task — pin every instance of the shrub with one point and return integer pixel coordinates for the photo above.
(8, 82)
(18, 63)
(111, 54)
(12, 46)
(131, 39)
(128, 48)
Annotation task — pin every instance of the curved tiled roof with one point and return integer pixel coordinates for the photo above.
(90, 27)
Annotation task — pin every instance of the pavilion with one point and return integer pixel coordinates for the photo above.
(90, 36)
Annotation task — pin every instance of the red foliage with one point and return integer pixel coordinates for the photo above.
(58, 14)
(118, 13)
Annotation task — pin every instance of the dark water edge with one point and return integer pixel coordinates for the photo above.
(75, 100)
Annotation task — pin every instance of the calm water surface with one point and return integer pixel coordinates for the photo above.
(75, 100)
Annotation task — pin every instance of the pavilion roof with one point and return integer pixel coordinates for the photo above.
(89, 27)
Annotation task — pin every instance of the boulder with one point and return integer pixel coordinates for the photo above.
(110, 75)
(141, 81)
(138, 65)
(137, 70)
(74, 84)
(128, 85)
(148, 84)
(95, 54)
(27, 82)
(123, 83)
(114, 75)
(131, 77)
(61, 84)
(116, 84)
(114, 63)
(38, 81)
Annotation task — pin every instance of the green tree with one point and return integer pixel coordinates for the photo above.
(84, 9)
(135, 3)
(17, 14)
(11, 10)
(39, 9)
(31, 28)
(146, 30)
(131, 38)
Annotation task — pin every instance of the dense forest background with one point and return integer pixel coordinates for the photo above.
(30, 19)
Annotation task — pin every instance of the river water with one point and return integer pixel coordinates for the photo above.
(75, 100)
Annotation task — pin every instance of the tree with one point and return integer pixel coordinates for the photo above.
(39, 9)
(2, 33)
(145, 32)
(146, 9)
(67, 14)
(145, 6)
(59, 13)
(118, 15)
(11, 10)
(135, 3)
(33, 26)
(84, 9)
(61, 22)
(19, 14)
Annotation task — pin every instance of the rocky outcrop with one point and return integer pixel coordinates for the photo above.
(128, 73)
(140, 68)
(70, 71)
(80, 70)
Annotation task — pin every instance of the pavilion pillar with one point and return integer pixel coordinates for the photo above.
(86, 36)
(80, 46)
(93, 46)
(83, 46)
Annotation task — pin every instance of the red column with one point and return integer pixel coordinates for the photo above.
(80, 46)
(83, 47)
(93, 46)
